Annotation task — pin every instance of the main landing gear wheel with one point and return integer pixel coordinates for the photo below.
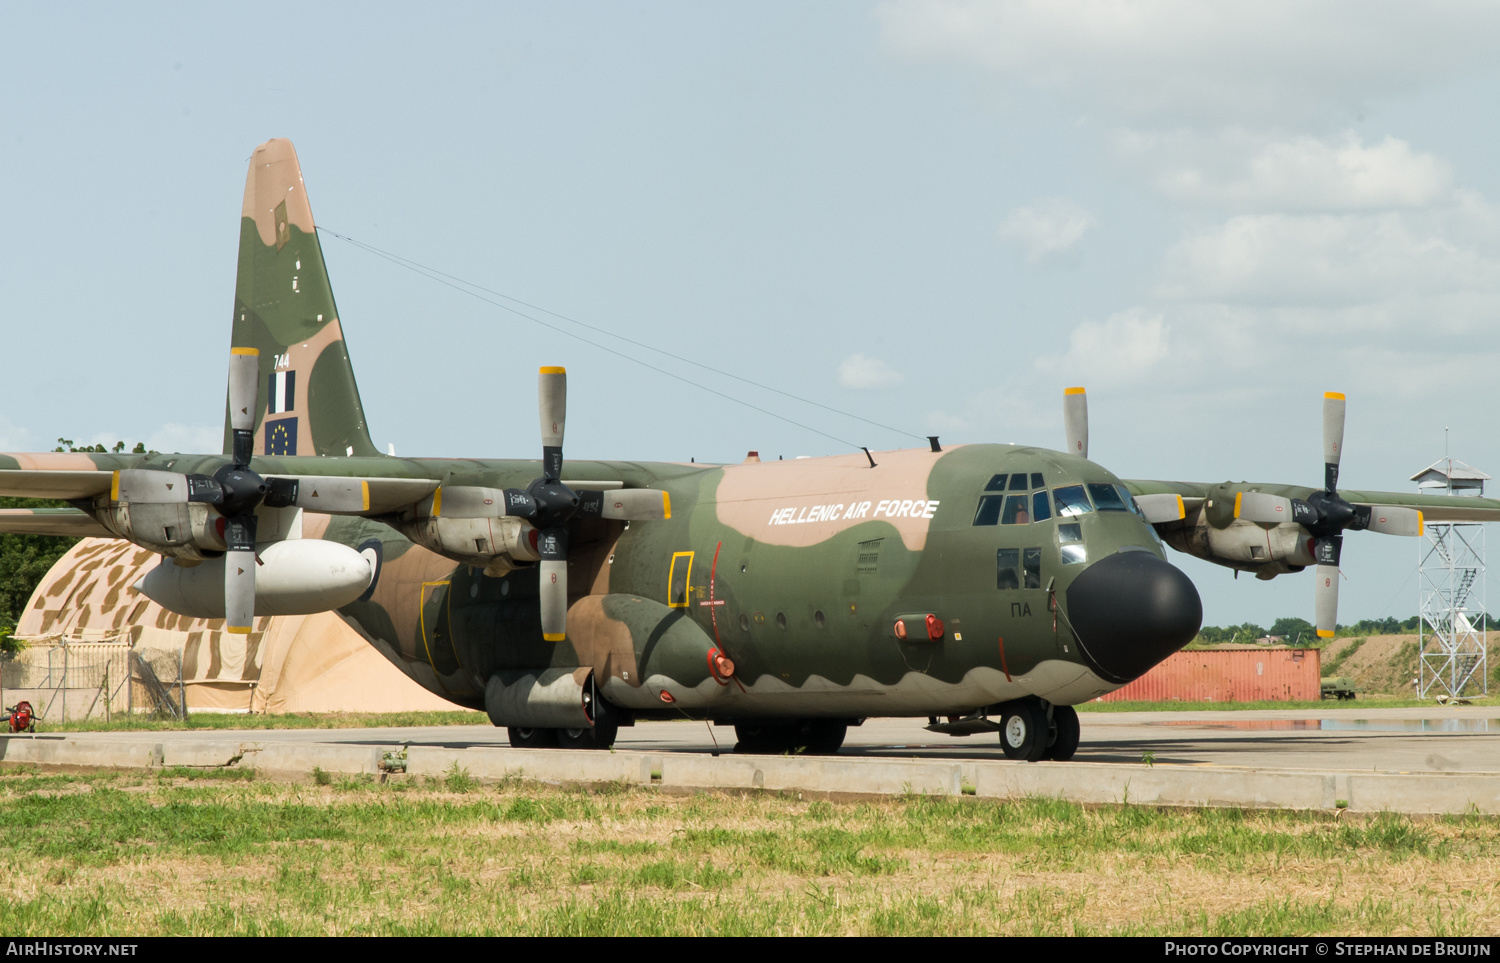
(1023, 731)
(762, 740)
(1064, 734)
(815, 737)
(824, 737)
(523, 738)
(606, 728)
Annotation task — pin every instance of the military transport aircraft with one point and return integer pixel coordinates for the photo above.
(987, 587)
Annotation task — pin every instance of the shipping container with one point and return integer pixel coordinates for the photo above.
(1228, 675)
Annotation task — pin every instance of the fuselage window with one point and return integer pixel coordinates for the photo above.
(1015, 511)
(989, 509)
(1071, 501)
(1018, 482)
(1007, 560)
(1107, 499)
(1031, 567)
(997, 483)
(1070, 546)
(1040, 509)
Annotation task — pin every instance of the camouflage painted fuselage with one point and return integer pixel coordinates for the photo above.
(796, 570)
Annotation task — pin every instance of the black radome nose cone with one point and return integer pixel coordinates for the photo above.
(1129, 611)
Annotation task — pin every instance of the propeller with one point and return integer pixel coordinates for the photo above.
(1326, 515)
(548, 504)
(235, 491)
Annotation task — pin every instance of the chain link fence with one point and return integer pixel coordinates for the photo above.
(71, 679)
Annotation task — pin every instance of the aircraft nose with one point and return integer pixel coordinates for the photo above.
(1129, 611)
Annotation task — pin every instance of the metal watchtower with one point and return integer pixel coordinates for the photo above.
(1452, 631)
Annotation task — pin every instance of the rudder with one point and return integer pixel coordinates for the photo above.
(283, 306)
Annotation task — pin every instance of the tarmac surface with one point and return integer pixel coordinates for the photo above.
(1425, 739)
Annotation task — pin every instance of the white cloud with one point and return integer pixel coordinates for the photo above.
(860, 371)
(1309, 173)
(1124, 348)
(1047, 228)
(193, 439)
(1327, 259)
(14, 437)
(1226, 62)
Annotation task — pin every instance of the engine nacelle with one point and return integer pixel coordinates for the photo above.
(1266, 550)
(186, 530)
(464, 523)
(295, 577)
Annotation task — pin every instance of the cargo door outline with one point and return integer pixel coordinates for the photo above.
(446, 616)
(679, 580)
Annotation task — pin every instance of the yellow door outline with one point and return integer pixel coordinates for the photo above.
(422, 616)
(687, 580)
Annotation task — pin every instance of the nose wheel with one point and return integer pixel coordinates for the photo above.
(1031, 730)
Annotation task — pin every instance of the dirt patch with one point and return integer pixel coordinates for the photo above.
(1387, 664)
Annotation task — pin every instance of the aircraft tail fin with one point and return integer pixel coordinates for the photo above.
(283, 306)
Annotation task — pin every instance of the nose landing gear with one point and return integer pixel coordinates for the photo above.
(1033, 730)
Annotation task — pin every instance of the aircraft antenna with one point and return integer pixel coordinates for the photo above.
(464, 286)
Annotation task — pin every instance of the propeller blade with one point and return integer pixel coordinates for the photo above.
(552, 388)
(1391, 519)
(627, 504)
(519, 503)
(1333, 438)
(1161, 508)
(1260, 507)
(470, 501)
(552, 545)
(144, 486)
(239, 574)
(244, 382)
(1326, 551)
(1076, 420)
(319, 493)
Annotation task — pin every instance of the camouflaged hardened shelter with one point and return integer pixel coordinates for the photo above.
(311, 663)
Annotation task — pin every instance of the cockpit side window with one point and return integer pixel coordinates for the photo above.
(989, 509)
(1015, 511)
(1007, 560)
(1107, 499)
(1129, 500)
(1018, 482)
(997, 483)
(1040, 510)
(1031, 567)
(1071, 500)
(1036, 480)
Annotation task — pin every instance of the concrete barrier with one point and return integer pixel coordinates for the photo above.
(1427, 792)
(546, 765)
(813, 773)
(71, 752)
(1157, 785)
(307, 756)
(202, 754)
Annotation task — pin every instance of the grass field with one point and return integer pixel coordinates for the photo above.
(183, 852)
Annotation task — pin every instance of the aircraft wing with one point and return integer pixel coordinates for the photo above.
(1434, 508)
(51, 521)
(65, 485)
(331, 494)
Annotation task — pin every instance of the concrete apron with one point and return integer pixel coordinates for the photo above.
(1160, 785)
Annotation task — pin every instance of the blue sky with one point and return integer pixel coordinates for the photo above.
(933, 215)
